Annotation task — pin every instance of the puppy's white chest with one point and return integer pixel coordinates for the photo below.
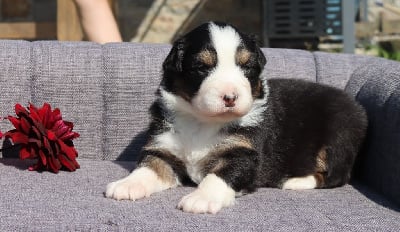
(190, 141)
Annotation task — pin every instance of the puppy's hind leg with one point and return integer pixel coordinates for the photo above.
(332, 169)
(338, 168)
(300, 183)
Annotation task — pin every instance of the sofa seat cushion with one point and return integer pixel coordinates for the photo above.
(32, 201)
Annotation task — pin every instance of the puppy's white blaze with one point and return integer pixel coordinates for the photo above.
(211, 196)
(300, 183)
(226, 41)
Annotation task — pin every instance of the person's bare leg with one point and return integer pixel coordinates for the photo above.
(98, 21)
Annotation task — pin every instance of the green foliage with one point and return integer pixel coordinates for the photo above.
(395, 55)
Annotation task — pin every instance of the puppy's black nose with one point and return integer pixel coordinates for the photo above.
(230, 100)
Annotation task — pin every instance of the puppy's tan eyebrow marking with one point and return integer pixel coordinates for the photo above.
(207, 57)
(242, 56)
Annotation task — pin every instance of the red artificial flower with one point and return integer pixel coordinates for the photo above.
(43, 135)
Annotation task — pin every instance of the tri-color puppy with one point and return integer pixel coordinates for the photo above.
(219, 123)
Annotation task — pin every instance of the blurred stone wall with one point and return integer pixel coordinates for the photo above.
(162, 21)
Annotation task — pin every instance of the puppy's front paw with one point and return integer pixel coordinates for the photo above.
(139, 184)
(210, 197)
(199, 202)
(127, 189)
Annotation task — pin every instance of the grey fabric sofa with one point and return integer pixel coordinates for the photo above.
(106, 91)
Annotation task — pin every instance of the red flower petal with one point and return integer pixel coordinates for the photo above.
(15, 121)
(46, 144)
(56, 148)
(34, 114)
(51, 135)
(43, 158)
(20, 110)
(25, 125)
(39, 126)
(66, 163)
(54, 164)
(70, 136)
(56, 114)
(43, 114)
(62, 130)
(36, 142)
(69, 124)
(69, 151)
(37, 132)
(76, 164)
(24, 153)
(17, 137)
(32, 108)
(58, 124)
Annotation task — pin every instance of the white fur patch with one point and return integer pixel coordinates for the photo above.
(226, 41)
(190, 140)
(256, 115)
(300, 183)
(139, 184)
(210, 197)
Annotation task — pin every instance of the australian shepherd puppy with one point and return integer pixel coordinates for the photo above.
(222, 125)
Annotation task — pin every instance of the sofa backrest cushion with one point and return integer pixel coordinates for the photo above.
(105, 90)
(376, 86)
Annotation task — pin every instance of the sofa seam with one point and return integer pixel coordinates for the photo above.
(104, 105)
(32, 72)
(315, 67)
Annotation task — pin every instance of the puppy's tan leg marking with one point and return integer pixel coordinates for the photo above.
(321, 167)
(211, 196)
(311, 181)
(152, 176)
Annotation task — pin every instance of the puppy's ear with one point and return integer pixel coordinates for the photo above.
(261, 58)
(260, 55)
(173, 62)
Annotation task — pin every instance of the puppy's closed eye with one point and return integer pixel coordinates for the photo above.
(243, 57)
(207, 58)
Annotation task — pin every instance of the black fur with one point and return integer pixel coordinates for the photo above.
(237, 169)
(301, 119)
